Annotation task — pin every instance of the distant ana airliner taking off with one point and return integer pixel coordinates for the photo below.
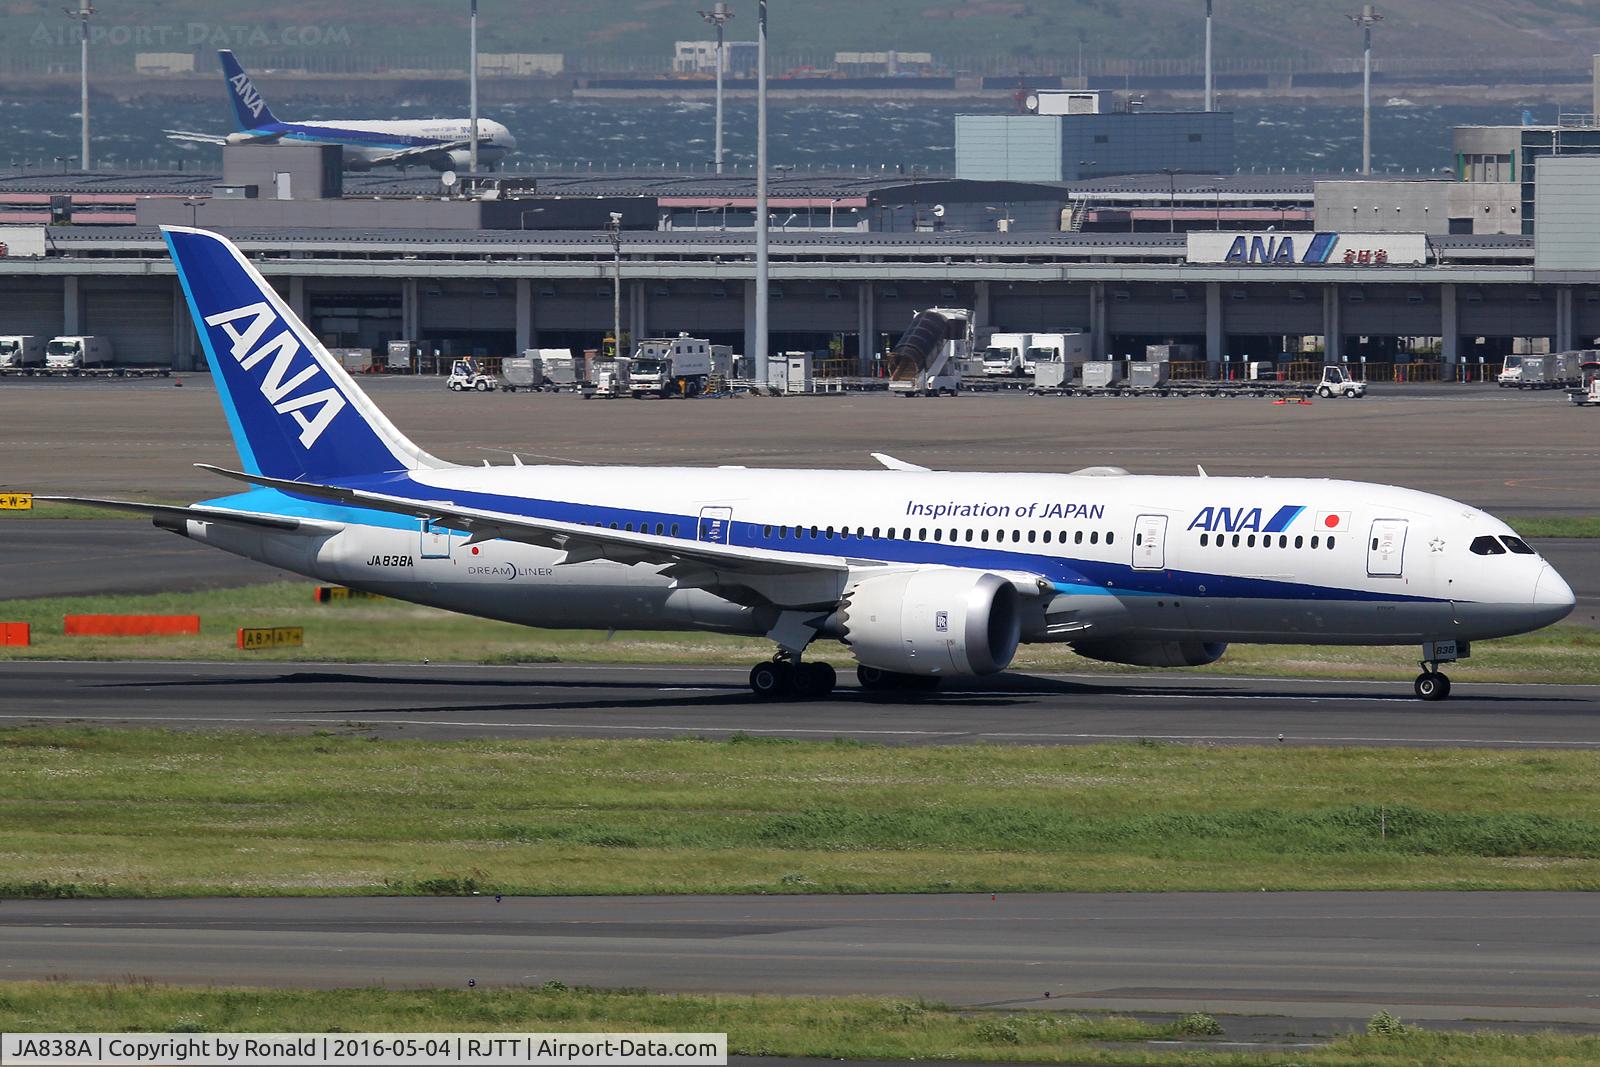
(921, 574)
(443, 144)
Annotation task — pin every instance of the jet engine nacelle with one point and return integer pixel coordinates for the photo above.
(1152, 653)
(932, 622)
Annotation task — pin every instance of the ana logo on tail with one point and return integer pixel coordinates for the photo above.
(276, 386)
(247, 93)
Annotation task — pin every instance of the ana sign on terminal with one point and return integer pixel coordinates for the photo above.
(1323, 249)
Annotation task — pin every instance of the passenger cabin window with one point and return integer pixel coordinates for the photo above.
(1518, 545)
(1486, 546)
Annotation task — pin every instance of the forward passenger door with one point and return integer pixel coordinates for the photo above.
(1386, 548)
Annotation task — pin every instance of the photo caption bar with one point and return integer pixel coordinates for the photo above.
(360, 1050)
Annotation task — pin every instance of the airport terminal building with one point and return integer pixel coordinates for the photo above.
(1243, 271)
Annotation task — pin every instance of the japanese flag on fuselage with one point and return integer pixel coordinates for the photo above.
(1333, 521)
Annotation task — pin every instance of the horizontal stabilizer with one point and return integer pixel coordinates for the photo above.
(201, 513)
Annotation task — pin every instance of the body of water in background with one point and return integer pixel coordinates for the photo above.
(865, 135)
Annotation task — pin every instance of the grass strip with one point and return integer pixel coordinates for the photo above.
(1553, 526)
(149, 813)
(368, 631)
(51, 509)
(846, 1028)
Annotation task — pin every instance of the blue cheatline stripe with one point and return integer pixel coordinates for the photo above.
(1321, 247)
(1067, 574)
(247, 456)
(1283, 517)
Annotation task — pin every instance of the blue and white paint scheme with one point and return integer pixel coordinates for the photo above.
(443, 144)
(923, 574)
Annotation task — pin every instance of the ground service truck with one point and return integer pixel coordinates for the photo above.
(1006, 354)
(21, 350)
(670, 366)
(79, 352)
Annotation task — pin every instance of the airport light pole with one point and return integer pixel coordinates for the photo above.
(1210, 95)
(762, 222)
(1366, 20)
(472, 88)
(718, 16)
(615, 233)
(83, 14)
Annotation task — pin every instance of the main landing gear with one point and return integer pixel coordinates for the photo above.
(784, 676)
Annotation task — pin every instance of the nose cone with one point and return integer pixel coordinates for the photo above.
(1553, 596)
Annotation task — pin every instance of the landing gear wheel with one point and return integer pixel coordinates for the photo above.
(812, 681)
(873, 679)
(771, 680)
(1432, 685)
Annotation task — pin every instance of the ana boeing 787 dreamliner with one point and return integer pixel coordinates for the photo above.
(922, 574)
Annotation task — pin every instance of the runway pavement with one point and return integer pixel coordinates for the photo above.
(1510, 956)
(545, 700)
(83, 557)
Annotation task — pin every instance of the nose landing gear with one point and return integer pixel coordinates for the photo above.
(1432, 683)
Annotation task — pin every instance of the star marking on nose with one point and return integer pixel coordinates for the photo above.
(1436, 545)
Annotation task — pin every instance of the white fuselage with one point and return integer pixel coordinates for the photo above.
(494, 140)
(1164, 558)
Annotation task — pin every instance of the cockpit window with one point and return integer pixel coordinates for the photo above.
(1486, 546)
(1517, 545)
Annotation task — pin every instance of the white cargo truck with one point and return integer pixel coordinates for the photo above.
(927, 360)
(21, 350)
(1056, 359)
(79, 352)
(1006, 355)
(670, 366)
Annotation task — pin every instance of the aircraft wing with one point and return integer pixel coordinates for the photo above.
(217, 138)
(201, 513)
(581, 543)
(420, 150)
